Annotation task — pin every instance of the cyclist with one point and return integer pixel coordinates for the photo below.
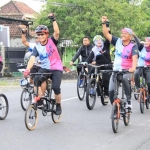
(83, 51)
(47, 51)
(27, 56)
(144, 60)
(101, 55)
(126, 55)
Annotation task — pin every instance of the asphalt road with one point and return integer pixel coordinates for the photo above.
(79, 128)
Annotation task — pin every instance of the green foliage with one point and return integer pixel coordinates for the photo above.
(80, 18)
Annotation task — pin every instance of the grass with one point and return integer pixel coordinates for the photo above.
(12, 82)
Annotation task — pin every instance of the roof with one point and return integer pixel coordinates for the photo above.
(17, 7)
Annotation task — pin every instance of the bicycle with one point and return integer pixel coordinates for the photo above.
(4, 106)
(95, 85)
(119, 105)
(49, 105)
(28, 89)
(81, 82)
(143, 95)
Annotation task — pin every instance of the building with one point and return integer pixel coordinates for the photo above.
(12, 14)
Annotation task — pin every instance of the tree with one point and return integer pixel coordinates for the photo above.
(82, 17)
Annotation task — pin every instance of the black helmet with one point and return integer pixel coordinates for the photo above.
(41, 28)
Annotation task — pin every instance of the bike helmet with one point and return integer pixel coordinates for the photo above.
(97, 38)
(41, 28)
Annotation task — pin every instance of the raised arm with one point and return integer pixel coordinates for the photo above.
(23, 36)
(56, 33)
(105, 30)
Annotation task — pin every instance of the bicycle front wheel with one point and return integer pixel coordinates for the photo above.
(141, 100)
(81, 86)
(31, 117)
(25, 99)
(55, 118)
(115, 118)
(4, 107)
(147, 102)
(126, 117)
(91, 94)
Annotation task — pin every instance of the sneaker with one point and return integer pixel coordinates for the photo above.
(92, 91)
(81, 83)
(35, 100)
(40, 104)
(106, 99)
(129, 104)
(58, 109)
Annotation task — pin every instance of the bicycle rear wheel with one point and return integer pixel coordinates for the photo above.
(25, 99)
(55, 118)
(115, 118)
(141, 100)
(4, 107)
(81, 86)
(91, 94)
(147, 101)
(126, 117)
(31, 117)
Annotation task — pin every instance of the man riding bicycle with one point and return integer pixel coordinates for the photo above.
(126, 55)
(51, 62)
(83, 51)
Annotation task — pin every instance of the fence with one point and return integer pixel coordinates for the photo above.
(11, 56)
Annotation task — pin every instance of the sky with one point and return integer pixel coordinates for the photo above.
(34, 4)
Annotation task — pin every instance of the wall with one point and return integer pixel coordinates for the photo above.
(17, 42)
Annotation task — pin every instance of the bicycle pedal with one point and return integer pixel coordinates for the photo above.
(44, 113)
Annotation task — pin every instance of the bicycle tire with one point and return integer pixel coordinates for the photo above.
(126, 117)
(115, 118)
(147, 102)
(90, 96)
(81, 96)
(22, 100)
(55, 118)
(2, 117)
(141, 102)
(136, 96)
(28, 125)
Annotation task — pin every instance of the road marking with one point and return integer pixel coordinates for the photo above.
(68, 99)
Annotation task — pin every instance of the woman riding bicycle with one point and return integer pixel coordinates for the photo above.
(126, 55)
(144, 60)
(101, 55)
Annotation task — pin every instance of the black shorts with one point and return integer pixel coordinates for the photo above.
(34, 69)
(56, 77)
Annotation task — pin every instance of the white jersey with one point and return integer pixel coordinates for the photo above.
(29, 54)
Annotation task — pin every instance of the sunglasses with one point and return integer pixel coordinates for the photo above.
(42, 34)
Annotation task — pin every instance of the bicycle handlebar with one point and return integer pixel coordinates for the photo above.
(142, 67)
(115, 71)
(78, 64)
(40, 73)
(104, 65)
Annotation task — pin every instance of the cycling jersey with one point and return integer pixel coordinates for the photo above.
(144, 57)
(48, 55)
(123, 54)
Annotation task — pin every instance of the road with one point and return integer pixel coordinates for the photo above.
(79, 128)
